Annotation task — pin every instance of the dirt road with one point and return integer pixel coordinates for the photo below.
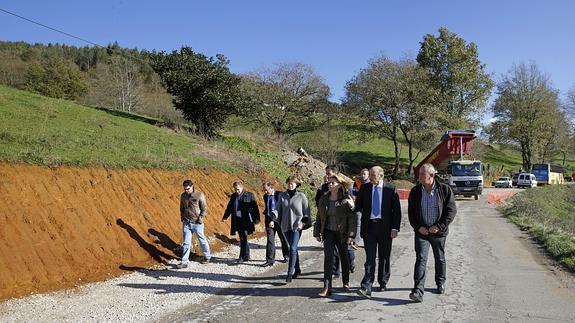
(495, 273)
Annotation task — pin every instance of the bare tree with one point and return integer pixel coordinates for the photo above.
(127, 85)
(287, 98)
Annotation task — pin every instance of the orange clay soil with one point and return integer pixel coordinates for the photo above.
(63, 226)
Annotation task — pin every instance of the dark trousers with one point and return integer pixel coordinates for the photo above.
(244, 245)
(350, 257)
(293, 239)
(376, 245)
(271, 243)
(422, 244)
(331, 240)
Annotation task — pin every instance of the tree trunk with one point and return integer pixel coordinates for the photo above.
(396, 148)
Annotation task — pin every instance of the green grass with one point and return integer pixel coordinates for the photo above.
(39, 130)
(548, 214)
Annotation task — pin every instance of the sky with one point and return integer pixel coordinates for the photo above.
(337, 38)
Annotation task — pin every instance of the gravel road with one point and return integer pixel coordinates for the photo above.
(495, 273)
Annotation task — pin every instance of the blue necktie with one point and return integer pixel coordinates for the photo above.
(271, 204)
(375, 202)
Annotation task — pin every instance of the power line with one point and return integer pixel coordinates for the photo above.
(51, 28)
(110, 50)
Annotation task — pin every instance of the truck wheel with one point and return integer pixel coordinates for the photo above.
(476, 197)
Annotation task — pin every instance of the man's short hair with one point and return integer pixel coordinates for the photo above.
(238, 183)
(267, 184)
(188, 182)
(378, 170)
(428, 168)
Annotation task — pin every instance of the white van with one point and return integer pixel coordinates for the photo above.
(526, 180)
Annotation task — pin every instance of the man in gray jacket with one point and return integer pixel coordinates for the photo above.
(193, 211)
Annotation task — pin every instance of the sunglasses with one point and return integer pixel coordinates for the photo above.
(187, 187)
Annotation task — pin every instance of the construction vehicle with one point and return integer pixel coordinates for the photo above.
(465, 176)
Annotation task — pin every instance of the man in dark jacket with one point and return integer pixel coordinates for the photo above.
(271, 197)
(380, 223)
(245, 215)
(431, 209)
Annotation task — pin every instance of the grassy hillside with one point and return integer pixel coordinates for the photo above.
(40, 130)
(44, 131)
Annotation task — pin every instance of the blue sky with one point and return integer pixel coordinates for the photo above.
(335, 37)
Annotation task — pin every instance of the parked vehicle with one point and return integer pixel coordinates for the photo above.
(514, 179)
(466, 177)
(548, 174)
(526, 180)
(504, 182)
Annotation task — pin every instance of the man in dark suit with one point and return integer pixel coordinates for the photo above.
(245, 215)
(431, 209)
(380, 221)
(271, 197)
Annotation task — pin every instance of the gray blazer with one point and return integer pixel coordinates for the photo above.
(290, 211)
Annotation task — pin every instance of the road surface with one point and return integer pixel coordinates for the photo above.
(494, 273)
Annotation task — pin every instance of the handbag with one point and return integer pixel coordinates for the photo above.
(307, 222)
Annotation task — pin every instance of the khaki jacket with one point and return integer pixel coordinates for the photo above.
(345, 218)
(193, 206)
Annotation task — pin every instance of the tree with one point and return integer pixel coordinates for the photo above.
(127, 83)
(203, 88)
(456, 72)
(526, 112)
(417, 107)
(287, 98)
(396, 98)
(56, 78)
(372, 96)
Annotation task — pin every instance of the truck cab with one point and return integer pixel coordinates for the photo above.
(466, 177)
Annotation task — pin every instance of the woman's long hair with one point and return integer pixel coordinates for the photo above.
(343, 190)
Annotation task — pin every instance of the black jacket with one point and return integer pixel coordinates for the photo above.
(390, 209)
(273, 217)
(446, 203)
(250, 213)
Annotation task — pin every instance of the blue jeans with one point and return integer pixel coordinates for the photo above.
(293, 240)
(189, 229)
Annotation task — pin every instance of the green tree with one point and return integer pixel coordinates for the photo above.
(397, 99)
(288, 98)
(203, 88)
(456, 72)
(56, 78)
(526, 112)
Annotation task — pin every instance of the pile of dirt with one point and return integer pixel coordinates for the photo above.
(497, 198)
(66, 226)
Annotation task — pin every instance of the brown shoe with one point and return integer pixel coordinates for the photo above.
(324, 292)
(181, 266)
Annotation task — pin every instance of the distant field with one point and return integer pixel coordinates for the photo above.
(356, 154)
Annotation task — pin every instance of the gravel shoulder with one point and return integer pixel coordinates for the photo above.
(145, 295)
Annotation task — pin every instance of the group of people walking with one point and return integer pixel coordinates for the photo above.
(367, 210)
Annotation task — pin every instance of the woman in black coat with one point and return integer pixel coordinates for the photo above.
(245, 214)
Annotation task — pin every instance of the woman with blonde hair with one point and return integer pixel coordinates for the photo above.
(335, 225)
(292, 212)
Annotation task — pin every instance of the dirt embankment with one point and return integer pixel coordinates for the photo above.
(61, 227)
